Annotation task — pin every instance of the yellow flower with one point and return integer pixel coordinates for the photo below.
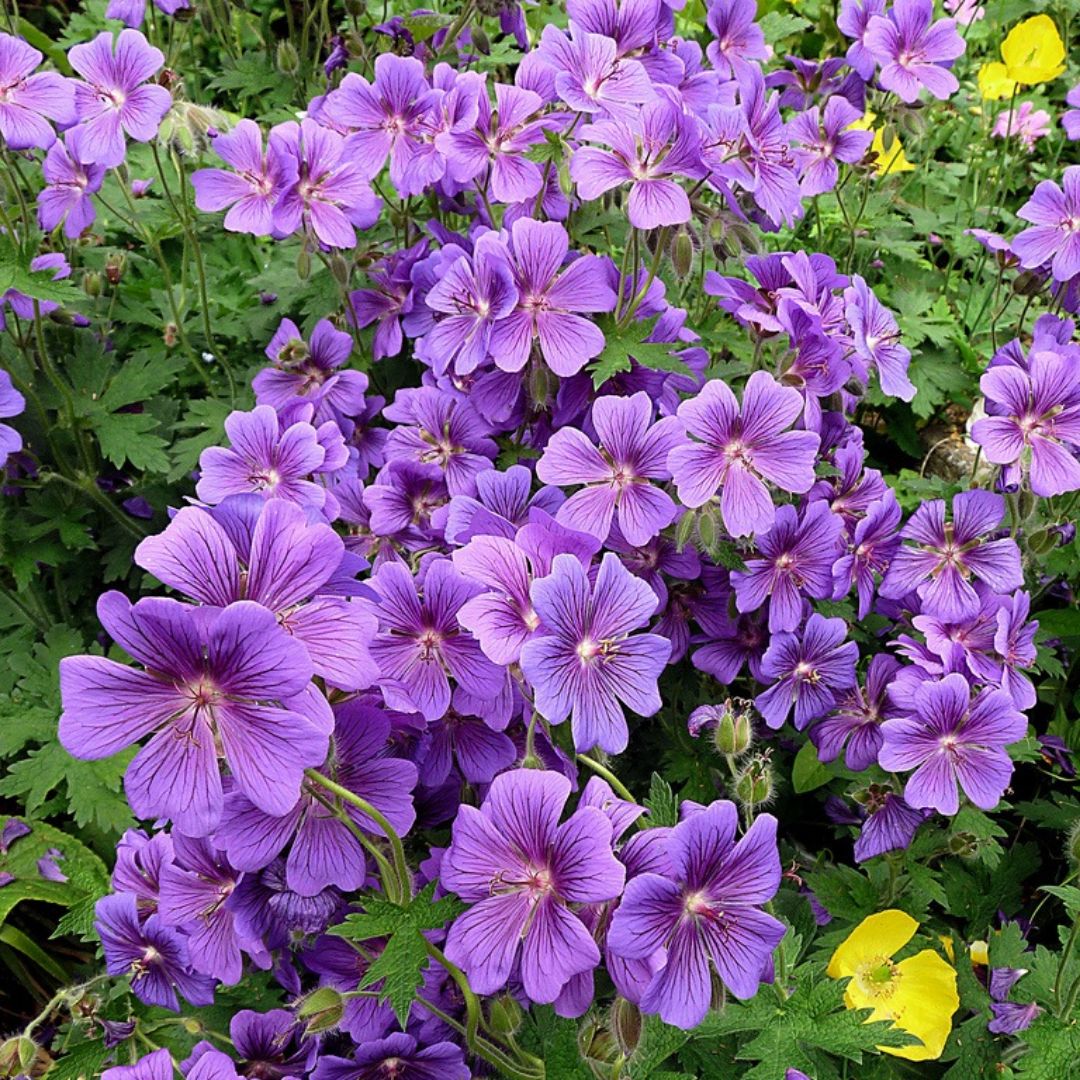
(1033, 52)
(994, 82)
(980, 953)
(891, 160)
(917, 994)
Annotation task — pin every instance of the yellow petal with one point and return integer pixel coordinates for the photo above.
(864, 123)
(1034, 52)
(876, 936)
(889, 160)
(980, 953)
(923, 1004)
(947, 945)
(994, 82)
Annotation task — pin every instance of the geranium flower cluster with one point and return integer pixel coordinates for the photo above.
(384, 613)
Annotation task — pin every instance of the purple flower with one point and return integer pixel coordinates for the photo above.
(585, 662)
(646, 152)
(811, 669)
(157, 1065)
(323, 849)
(795, 560)
(911, 50)
(873, 544)
(397, 1056)
(1055, 234)
(1011, 1017)
(391, 117)
(13, 830)
(1070, 119)
(633, 451)
(825, 139)
(946, 555)
(890, 824)
(271, 1043)
(858, 718)
(742, 449)
(1014, 642)
(853, 22)
(12, 403)
(153, 954)
(876, 339)
(264, 460)
(520, 869)
(705, 913)
(548, 301)
(391, 298)
(739, 39)
(68, 187)
(211, 687)
(27, 100)
(953, 740)
(330, 194)
(249, 193)
(421, 642)
(1035, 420)
(114, 102)
(48, 866)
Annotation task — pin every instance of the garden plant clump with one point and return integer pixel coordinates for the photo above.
(538, 540)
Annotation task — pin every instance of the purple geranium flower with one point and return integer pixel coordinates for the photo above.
(397, 1056)
(811, 669)
(1070, 119)
(27, 100)
(873, 544)
(520, 868)
(854, 21)
(114, 100)
(330, 194)
(388, 301)
(913, 49)
(157, 1065)
(422, 643)
(12, 403)
(742, 449)
(220, 686)
(823, 139)
(705, 913)
(647, 151)
(392, 117)
(739, 39)
(953, 740)
(1055, 234)
(858, 718)
(153, 954)
(249, 193)
(794, 560)
(68, 187)
(890, 824)
(585, 662)
(633, 451)
(876, 339)
(548, 302)
(1035, 419)
(946, 555)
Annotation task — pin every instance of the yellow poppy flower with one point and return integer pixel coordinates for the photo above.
(888, 161)
(994, 82)
(917, 994)
(1033, 52)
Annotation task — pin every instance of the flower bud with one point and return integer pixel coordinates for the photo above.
(682, 252)
(1042, 542)
(17, 1055)
(539, 386)
(504, 1015)
(1029, 283)
(356, 8)
(322, 1009)
(706, 528)
(684, 529)
(170, 334)
(92, 283)
(288, 59)
(114, 268)
(754, 785)
(481, 42)
(734, 733)
(340, 268)
(626, 1025)
(964, 844)
(303, 264)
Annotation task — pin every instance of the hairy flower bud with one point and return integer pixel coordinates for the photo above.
(539, 386)
(303, 264)
(754, 784)
(356, 8)
(114, 268)
(322, 1009)
(626, 1024)
(481, 42)
(964, 844)
(682, 252)
(17, 1055)
(170, 334)
(1042, 542)
(287, 59)
(340, 268)
(92, 283)
(734, 733)
(504, 1015)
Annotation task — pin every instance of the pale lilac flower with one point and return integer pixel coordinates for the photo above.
(876, 339)
(741, 449)
(12, 403)
(28, 102)
(738, 38)
(520, 869)
(912, 49)
(953, 740)
(965, 12)
(69, 185)
(824, 138)
(705, 913)
(116, 99)
(1055, 234)
(1027, 123)
(1070, 119)
(853, 22)
(617, 477)
(587, 663)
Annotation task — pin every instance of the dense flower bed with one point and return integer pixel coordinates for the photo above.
(561, 521)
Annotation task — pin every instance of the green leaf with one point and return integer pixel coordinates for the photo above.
(555, 1040)
(125, 437)
(626, 344)
(1069, 895)
(807, 772)
(1053, 1050)
(661, 803)
(777, 25)
(397, 971)
(657, 1043)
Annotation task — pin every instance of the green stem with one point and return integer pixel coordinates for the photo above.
(86, 486)
(654, 268)
(1059, 978)
(608, 775)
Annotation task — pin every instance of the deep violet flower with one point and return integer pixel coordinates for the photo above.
(858, 718)
(617, 476)
(873, 544)
(705, 913)
(811, 670)
(742, 448)
(890, 824)
(519, 868)
(952, 740)
(157, 1065)
(550, 299)
(586, 664)
(248, 194)
(1055, 235)
(396, 1056)
(946, 555)
(153, 954)
(822, 139)
(206, 691)
(912, 49)
(116, 99)
(27, 101)
(421, 642)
